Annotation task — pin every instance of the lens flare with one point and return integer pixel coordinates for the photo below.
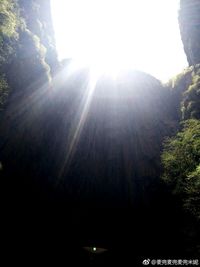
(112, 35)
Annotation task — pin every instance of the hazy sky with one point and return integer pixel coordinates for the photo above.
(141, 34)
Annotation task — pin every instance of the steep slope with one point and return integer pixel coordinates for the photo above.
(82, 164)
(189, 21)
(37, 15)
(27, 46)
(120, 136)
(8, 36)
(180, 155)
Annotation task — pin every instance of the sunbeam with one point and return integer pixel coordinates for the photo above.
(77, 127)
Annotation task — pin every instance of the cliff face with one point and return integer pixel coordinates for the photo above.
(37, 15)
(73, 150)
(117, 141)
(189, 21)
(28, 60)
(27, 46)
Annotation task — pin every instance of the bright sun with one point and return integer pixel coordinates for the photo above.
(110, 35)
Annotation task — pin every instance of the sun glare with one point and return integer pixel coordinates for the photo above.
(110, 35)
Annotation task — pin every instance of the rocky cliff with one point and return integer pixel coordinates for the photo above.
(189, 21)
(27, 46)
(71, 158)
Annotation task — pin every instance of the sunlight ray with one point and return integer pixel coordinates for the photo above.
(75, 134)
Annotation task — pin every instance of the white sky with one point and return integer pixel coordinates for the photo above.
(142, 34)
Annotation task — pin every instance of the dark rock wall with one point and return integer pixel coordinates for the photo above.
(189, 21)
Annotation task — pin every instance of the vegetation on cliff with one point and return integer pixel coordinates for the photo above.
(23, 48)
(131, 142)
(181, 159)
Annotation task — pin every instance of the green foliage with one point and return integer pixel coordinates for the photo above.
(184, 90)
(181, 159)
(6, 50)
(192, 201)
(3, 91)
(28, 66)
(9, 22)
(179, 78)
(176, 87)
(8, 18)
(23, 64)
(191, 98)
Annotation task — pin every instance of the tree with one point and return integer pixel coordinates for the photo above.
(191, 98)
(9, 22)
(181, 163)
(8, 18)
